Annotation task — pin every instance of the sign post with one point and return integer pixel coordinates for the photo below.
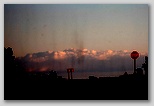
(134, 55)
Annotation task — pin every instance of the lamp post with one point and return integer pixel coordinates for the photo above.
(70, 70)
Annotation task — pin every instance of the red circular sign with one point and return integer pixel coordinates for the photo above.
(134, 55)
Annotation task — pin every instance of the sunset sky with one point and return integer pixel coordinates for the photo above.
(36, 28)
(100, 31)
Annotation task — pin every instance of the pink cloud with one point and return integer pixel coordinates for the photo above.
(59, 55)
(80, 59)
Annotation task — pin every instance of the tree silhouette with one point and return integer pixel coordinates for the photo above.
(9, 64)
(145, 65)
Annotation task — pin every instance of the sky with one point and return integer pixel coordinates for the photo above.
(77, 34)
(36, 28)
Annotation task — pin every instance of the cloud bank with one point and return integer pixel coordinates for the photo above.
(82, 60)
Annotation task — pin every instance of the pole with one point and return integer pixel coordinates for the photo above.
(71, 75)
(68, 74)
(134, 66)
